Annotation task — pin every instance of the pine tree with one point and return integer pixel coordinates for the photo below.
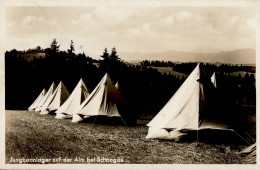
(105, 60)
(111, 63)
(54, 46)
(71, 49)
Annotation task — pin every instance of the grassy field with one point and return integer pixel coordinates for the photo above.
(242, 73)
(30, 135)
(168, 70)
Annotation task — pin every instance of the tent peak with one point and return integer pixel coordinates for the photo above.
(61, 83)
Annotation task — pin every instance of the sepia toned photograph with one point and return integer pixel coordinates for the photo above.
(125, 83)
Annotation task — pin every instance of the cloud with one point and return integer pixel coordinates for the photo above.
(11, 24)
(110, 13)
(183, 15)
(83, 19)
(137, 28)
(86, 17)
(146, 26)
(133, 32)
(27, 19)
(251, 22)
(168, 19)
(30, 19)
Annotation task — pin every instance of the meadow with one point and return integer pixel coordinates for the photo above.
(168, 70)
(30, 135)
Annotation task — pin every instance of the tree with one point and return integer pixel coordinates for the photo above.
(104, 63)
(71, 49)
(54, 46)
(38, 49)
(111, 63)
(114, 57)
(105, 54)
(114, 60)
(115, 64)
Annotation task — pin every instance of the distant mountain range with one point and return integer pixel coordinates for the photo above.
(239, 56)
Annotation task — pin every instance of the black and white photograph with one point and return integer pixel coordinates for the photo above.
(124, 84)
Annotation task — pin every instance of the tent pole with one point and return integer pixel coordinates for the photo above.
(242, 138)
(94, 121)
(123, 121)
(197, 139)
(249, 135)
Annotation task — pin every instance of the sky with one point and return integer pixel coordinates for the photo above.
(147, 29)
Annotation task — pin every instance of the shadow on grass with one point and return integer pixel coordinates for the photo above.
(104, 120)
(213, 137)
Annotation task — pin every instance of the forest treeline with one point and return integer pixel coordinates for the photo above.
(185, 67)
(145, 89)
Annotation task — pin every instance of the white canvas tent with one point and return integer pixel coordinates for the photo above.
(117, 85)
(249, 154)
(249, 150)
(45, 98)
(53, 103)
(72, 104)
(213, 79)
(192, 107)
(103, 100)
(120, 88)
(37, 101)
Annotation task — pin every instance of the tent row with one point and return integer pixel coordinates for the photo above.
(104, 101)
(197, 105)
(80, 104)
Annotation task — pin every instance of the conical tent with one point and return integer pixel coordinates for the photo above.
(46, 97)
(194, 106)
(59, 96)
(119, 88)
(103, 100)
(249, 150)
(72, 104)
(117, 85)
(213, 79)
(249, 154)
(37, 101)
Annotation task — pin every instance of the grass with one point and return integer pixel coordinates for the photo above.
(30, 135)
(242, 73)
(168, 70)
